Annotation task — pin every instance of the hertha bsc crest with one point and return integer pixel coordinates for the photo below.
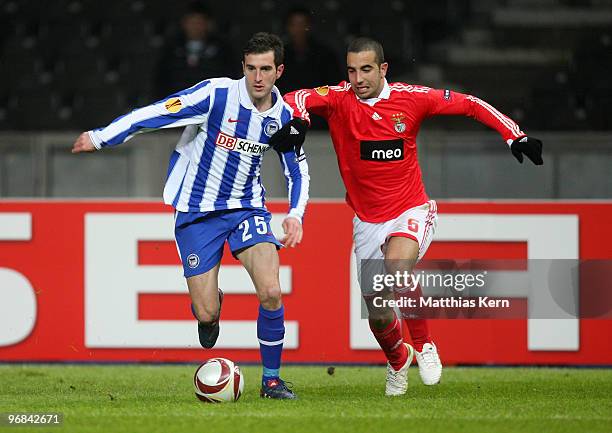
(399, 126)
(193, 261)
(271, 127)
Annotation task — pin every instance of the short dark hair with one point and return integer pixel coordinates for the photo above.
(367, 44)
(263, 42)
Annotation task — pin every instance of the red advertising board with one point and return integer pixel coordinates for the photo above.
(101, 281)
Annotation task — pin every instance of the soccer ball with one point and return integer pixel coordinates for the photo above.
(218, 380)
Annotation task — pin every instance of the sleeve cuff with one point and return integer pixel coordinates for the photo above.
(95, 140)
(294, 213)
(512, 140)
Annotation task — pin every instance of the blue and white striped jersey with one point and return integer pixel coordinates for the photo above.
(217, 161)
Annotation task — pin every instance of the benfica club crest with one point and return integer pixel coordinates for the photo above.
(398, 119)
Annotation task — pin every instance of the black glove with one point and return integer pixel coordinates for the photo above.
(531, 147)
(290, 137)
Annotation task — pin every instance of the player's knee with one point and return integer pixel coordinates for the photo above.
(380, 321)
(397, 261)
(379, 315)
(270, 297)
(401, 253)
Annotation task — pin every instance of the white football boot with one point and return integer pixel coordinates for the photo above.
(397, 381)
(430, 366)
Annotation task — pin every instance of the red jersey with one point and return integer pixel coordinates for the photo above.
(375, 139)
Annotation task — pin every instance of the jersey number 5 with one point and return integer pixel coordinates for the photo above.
(260, 226)
(413, 225)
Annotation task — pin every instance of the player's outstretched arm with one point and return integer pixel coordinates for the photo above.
(188, 107)
(302, 102)
(83, 144)
(447, 102)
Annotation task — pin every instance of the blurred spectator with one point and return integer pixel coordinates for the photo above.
(196, 54)
(308, 62)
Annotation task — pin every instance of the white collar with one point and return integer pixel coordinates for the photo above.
(384, 94)
(245, 99)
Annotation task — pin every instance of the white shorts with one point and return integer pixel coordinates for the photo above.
(418, 223)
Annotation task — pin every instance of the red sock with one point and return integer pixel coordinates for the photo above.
(419, 332)
(418, 328)
(391, 342)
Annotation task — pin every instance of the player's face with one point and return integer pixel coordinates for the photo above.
(261, 74)
(367, 78)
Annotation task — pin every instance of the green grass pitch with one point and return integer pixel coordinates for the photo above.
(146, 398)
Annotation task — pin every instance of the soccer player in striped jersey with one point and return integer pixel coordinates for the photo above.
(215, 186)
(373, 125)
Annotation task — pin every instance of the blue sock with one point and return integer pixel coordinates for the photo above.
(270, 333)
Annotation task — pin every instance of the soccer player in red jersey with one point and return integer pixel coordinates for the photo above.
(373, 125)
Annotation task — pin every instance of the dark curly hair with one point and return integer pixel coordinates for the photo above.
(263, 42)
